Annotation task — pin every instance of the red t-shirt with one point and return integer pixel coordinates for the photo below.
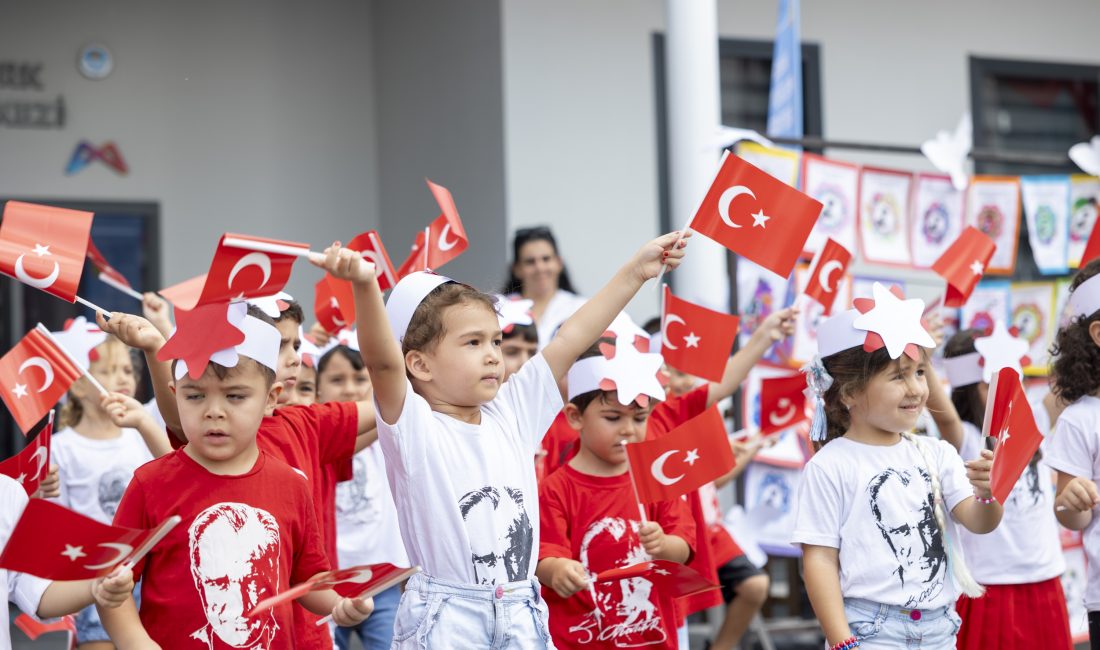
(242, 539)
(594, 520)
(560, 445)
(666, 416)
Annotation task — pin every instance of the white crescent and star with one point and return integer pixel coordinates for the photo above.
(37, 283)
(257, 259)
(824, 277)
(74, 552)
(670, 318)
(658, 469)
(727, 197)
(976, 267)
(445, 245)
(122, 549)
(786, 417)
(47, 369)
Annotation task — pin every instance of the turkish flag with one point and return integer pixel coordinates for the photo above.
(782, 403)
(696, 340)
(756, 215)
(107, 273)
(691, 455)
(827, 272)
(446, 238)
(44, 247)
(340, 295)
(33, 377)
(31, 465)
(361, 581)
(670, 579)
(1008, 418)
(963, 264)
(55, 543)
(326, 307)
(1092, 246)
(246, 269)
(369, 245)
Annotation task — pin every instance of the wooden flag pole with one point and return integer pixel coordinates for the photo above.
(115, 284)
(634, 485)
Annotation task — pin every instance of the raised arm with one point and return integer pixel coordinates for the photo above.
(140, 334)
(582, 329)
(126, 411)
(380, 350)
(777, 326)
(124, 626)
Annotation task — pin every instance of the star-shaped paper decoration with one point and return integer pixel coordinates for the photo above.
(893, 322)
(624, 327)
(1001, 349)
(273, 306)
(79, 339)
(514, 312)
(205, 334)
(632, 374)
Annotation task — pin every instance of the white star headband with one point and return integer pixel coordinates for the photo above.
(624, 327)
(514, 312)
(407, 296)
(79, 339)
(887, 320)
(261, 342)
(1001, 349)
(1085, 299)
(273, 306)
(309, 351)
(632, 374)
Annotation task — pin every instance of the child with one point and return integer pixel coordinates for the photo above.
(589, 523)
(304, 390)
(1074, 450)
(1020, 563)
(249, 529)
(366, 520)
(458, 444)
(873, 502)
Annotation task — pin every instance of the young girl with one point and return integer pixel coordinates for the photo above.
(458, 444)
(366, 520)
(102, 440)
(1074, 450)
(873, 502)
(1021, 562)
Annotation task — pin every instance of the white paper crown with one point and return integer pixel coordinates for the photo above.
(514, 312)
(1085, 299)
(894, 320)
(79, 339)
(261, 342)
(270, 304)
(1001, 349)
(632, 374)
(407, 296)
(309, 351)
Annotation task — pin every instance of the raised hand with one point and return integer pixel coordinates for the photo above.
(344, 264)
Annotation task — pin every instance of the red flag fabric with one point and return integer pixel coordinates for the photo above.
(1092, 246)
(361, 581)
(34, 628)
(369, 245)
(830, 266)
(446, 238)
(756, 215)
(326, 307)
(670, 579)
(238, 272)
(782, 403)
(696, 340)
(31, 465)
(33, 377)
(1008, 418)
(691, 455)
(55, 543)
(44, 247)
(963, 264)
(107, 272)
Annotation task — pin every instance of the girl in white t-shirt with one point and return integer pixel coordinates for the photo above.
(873, 505)
(1074, 450)
(1021, 562)
(101, 441)
(458, 442)
(366, 519)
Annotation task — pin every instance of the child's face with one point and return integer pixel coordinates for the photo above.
(114, 369)
(289, 361)
(606, 424)
(679, 383)
(517, 351)
(341, 382)
(304, 390)
(220, 417)
(894, 398)
(465, 368)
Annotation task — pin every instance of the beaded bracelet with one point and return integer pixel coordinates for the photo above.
(985, 501)
(847, 644)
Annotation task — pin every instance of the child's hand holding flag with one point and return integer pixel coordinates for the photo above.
(345, 264)
(350, 612)
(134, 331)
(113, 590)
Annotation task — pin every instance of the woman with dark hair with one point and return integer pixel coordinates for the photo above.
(538, 274)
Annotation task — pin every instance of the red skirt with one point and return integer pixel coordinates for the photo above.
(1020, 617)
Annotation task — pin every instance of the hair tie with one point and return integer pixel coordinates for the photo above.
(818, 380)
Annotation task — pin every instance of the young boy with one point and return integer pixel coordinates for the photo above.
(249, 528)
(589, 517)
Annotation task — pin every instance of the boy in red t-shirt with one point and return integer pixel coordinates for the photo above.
(249, 528)
(589, 518)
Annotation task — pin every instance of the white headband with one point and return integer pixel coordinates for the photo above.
(261, 342)
(963, 370)
(270, 304)
(1085, 299)
(407, 296)
(514, 312)
(630, 373)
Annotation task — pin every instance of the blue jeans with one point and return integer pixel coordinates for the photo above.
(886, 627)
(376, 632)
(437, 614)
(88, 626)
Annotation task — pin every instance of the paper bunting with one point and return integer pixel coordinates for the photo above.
(1084, 193)
(836, 186)
(936, 219)
(988, 304)
(780, 163)
(884, 216)
(993, 206)
(1032, 308)
(1046, 207)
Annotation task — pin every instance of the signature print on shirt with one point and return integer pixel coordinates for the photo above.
(901, 503)
(505, 536)
(234, 552)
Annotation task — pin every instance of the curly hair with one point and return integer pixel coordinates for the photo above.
(1075, 371)
(967, 399)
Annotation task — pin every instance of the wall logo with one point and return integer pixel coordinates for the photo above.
(85, 154)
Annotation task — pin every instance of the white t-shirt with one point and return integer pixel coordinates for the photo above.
(366, 519)
(94, 473)
(22, 589)
(1025, 546)
(558, 310)
(466, 495)
(1075, 450)
(874, 503)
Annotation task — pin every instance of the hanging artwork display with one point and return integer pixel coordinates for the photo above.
(936, 218)
(884, 216)
(836, 186)
(1032, 306)
(1046, 208)
(993, 207)
(1084, 192)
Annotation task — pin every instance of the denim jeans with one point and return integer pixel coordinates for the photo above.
(886, 627)
(438, 614)
(376, 632)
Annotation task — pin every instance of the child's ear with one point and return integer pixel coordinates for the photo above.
(573, 416)
(1094, 332)
(273, 394)
(416, 362)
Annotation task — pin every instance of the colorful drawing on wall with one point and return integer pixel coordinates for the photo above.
(988, 304)
(993, 206)
(1032, 313)
(1046, 202)
(1084, 192)
(884, 216)
(936, 219)
(836, 186)
(780, 163)
(760, 292)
